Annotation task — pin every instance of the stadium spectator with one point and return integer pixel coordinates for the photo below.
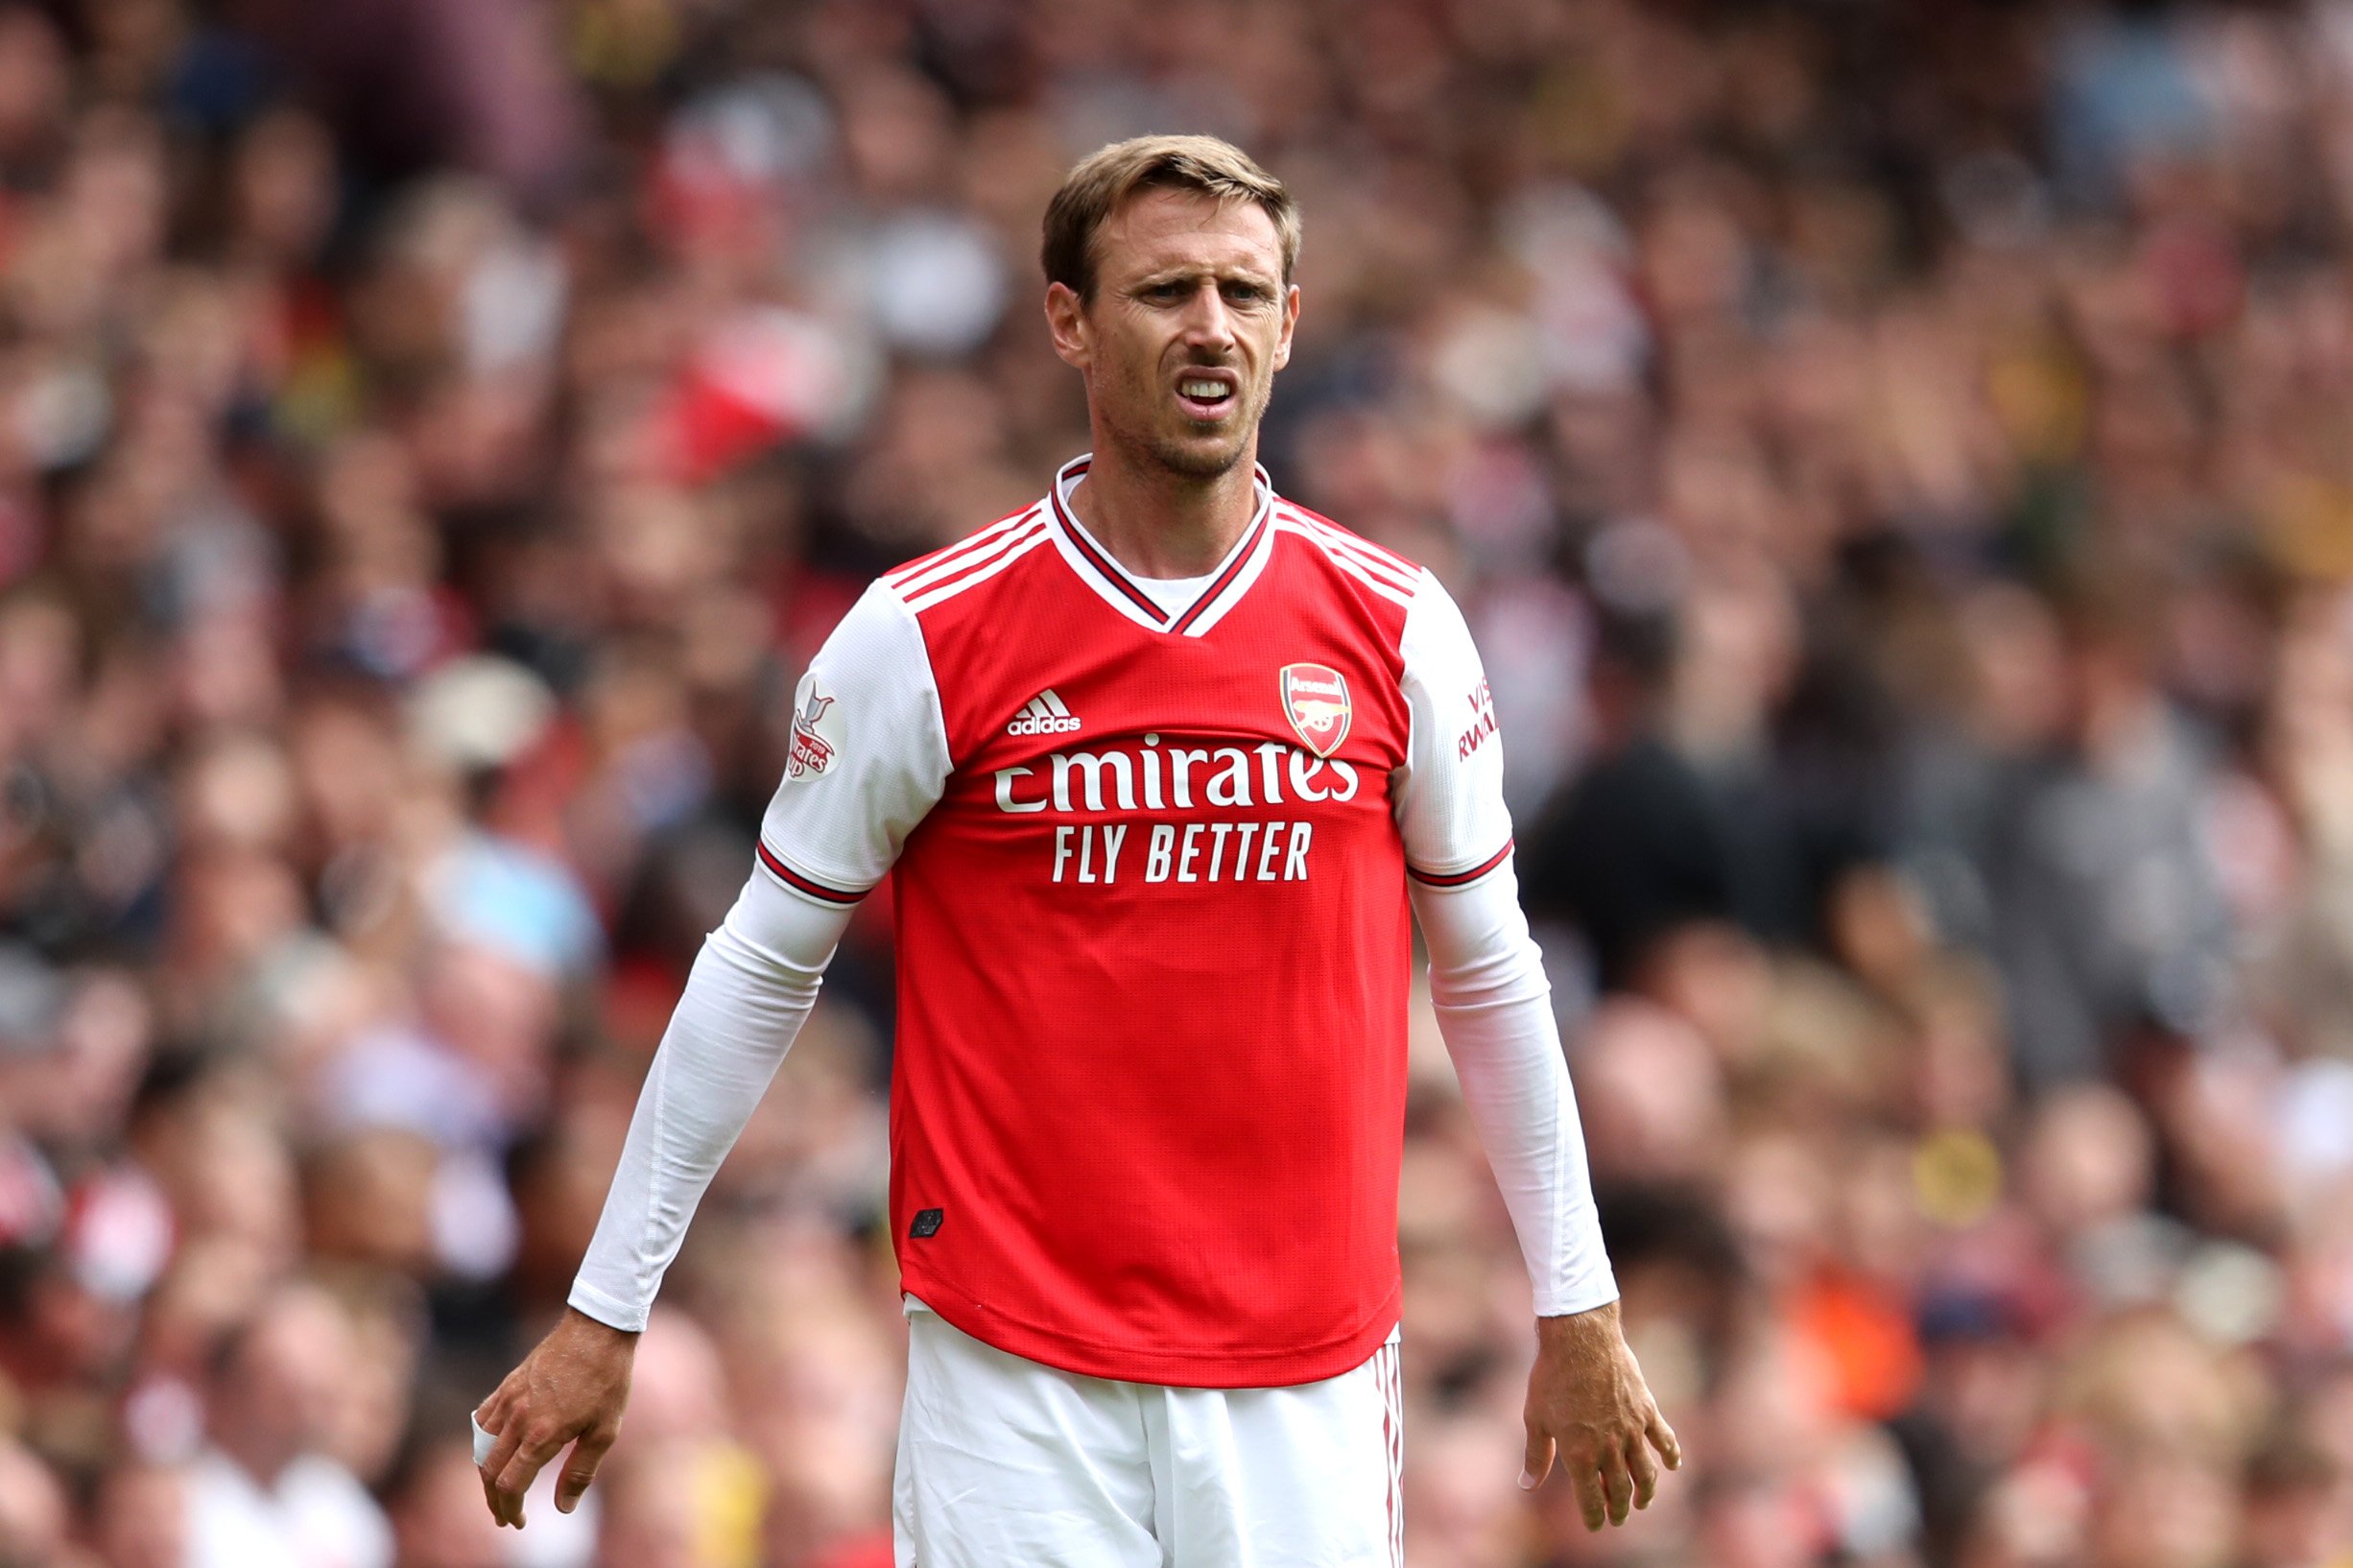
(266, 1490)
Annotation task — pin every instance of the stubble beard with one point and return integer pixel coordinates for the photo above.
(1193, 463)
(1188, 460)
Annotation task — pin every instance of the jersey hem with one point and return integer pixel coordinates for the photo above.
(1166, 1368)
(806, 885)
(1460, 879)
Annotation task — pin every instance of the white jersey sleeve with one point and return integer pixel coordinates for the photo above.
(1449, 796)
(869, 755)
(1486, 977)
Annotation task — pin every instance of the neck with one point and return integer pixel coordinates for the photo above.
(1161, 524)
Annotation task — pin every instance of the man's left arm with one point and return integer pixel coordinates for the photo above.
(1587, 1402)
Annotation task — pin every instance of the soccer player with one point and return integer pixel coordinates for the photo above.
(1158, 765)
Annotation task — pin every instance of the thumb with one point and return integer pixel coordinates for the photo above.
(1537, 1459)
(581, 1468)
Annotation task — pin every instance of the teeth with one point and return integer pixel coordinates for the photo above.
(1203, 388)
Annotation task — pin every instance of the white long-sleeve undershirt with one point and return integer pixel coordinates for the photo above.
(758, 974)
(752, 988)
(1494, 1011)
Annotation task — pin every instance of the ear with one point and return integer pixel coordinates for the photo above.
(1291, 323)
(1066, 320)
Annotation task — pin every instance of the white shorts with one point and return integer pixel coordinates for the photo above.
(1005, 1461)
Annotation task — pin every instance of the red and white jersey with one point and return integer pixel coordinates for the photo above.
(1150, 844)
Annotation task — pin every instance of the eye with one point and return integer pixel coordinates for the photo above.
(1244, 294)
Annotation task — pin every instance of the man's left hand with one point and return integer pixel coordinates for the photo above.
(1586, 1400)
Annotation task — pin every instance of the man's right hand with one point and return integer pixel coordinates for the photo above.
(571, 1387)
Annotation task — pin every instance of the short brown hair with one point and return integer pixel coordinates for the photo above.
(1106, 180)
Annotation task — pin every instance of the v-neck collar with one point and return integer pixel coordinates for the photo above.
(1120, 588)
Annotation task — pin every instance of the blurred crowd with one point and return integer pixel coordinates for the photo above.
(1898, 461)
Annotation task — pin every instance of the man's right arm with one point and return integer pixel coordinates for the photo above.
(751, 987)
(868, 759)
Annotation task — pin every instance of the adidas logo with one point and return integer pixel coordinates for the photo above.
(1043, 715)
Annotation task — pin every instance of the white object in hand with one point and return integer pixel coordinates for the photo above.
(483, 1441)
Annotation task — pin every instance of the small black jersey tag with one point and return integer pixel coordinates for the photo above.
(927, 1224)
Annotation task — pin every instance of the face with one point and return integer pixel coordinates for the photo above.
(1189, 322)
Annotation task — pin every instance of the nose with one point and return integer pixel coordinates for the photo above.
(1208, 321)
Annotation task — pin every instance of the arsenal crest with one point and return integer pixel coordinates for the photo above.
(1316, 701)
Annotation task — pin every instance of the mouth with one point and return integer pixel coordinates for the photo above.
(1206, 395)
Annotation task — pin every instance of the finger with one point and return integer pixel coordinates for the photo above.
(1617, 1485)
(1537, 1460)
(1663, 1439)
(492, 1413)
(510, 1437)
(505, 1508)
(586, 1454)
(1590, 1501)
(501, 1513)
(1646, 1471)
(514, 1479)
